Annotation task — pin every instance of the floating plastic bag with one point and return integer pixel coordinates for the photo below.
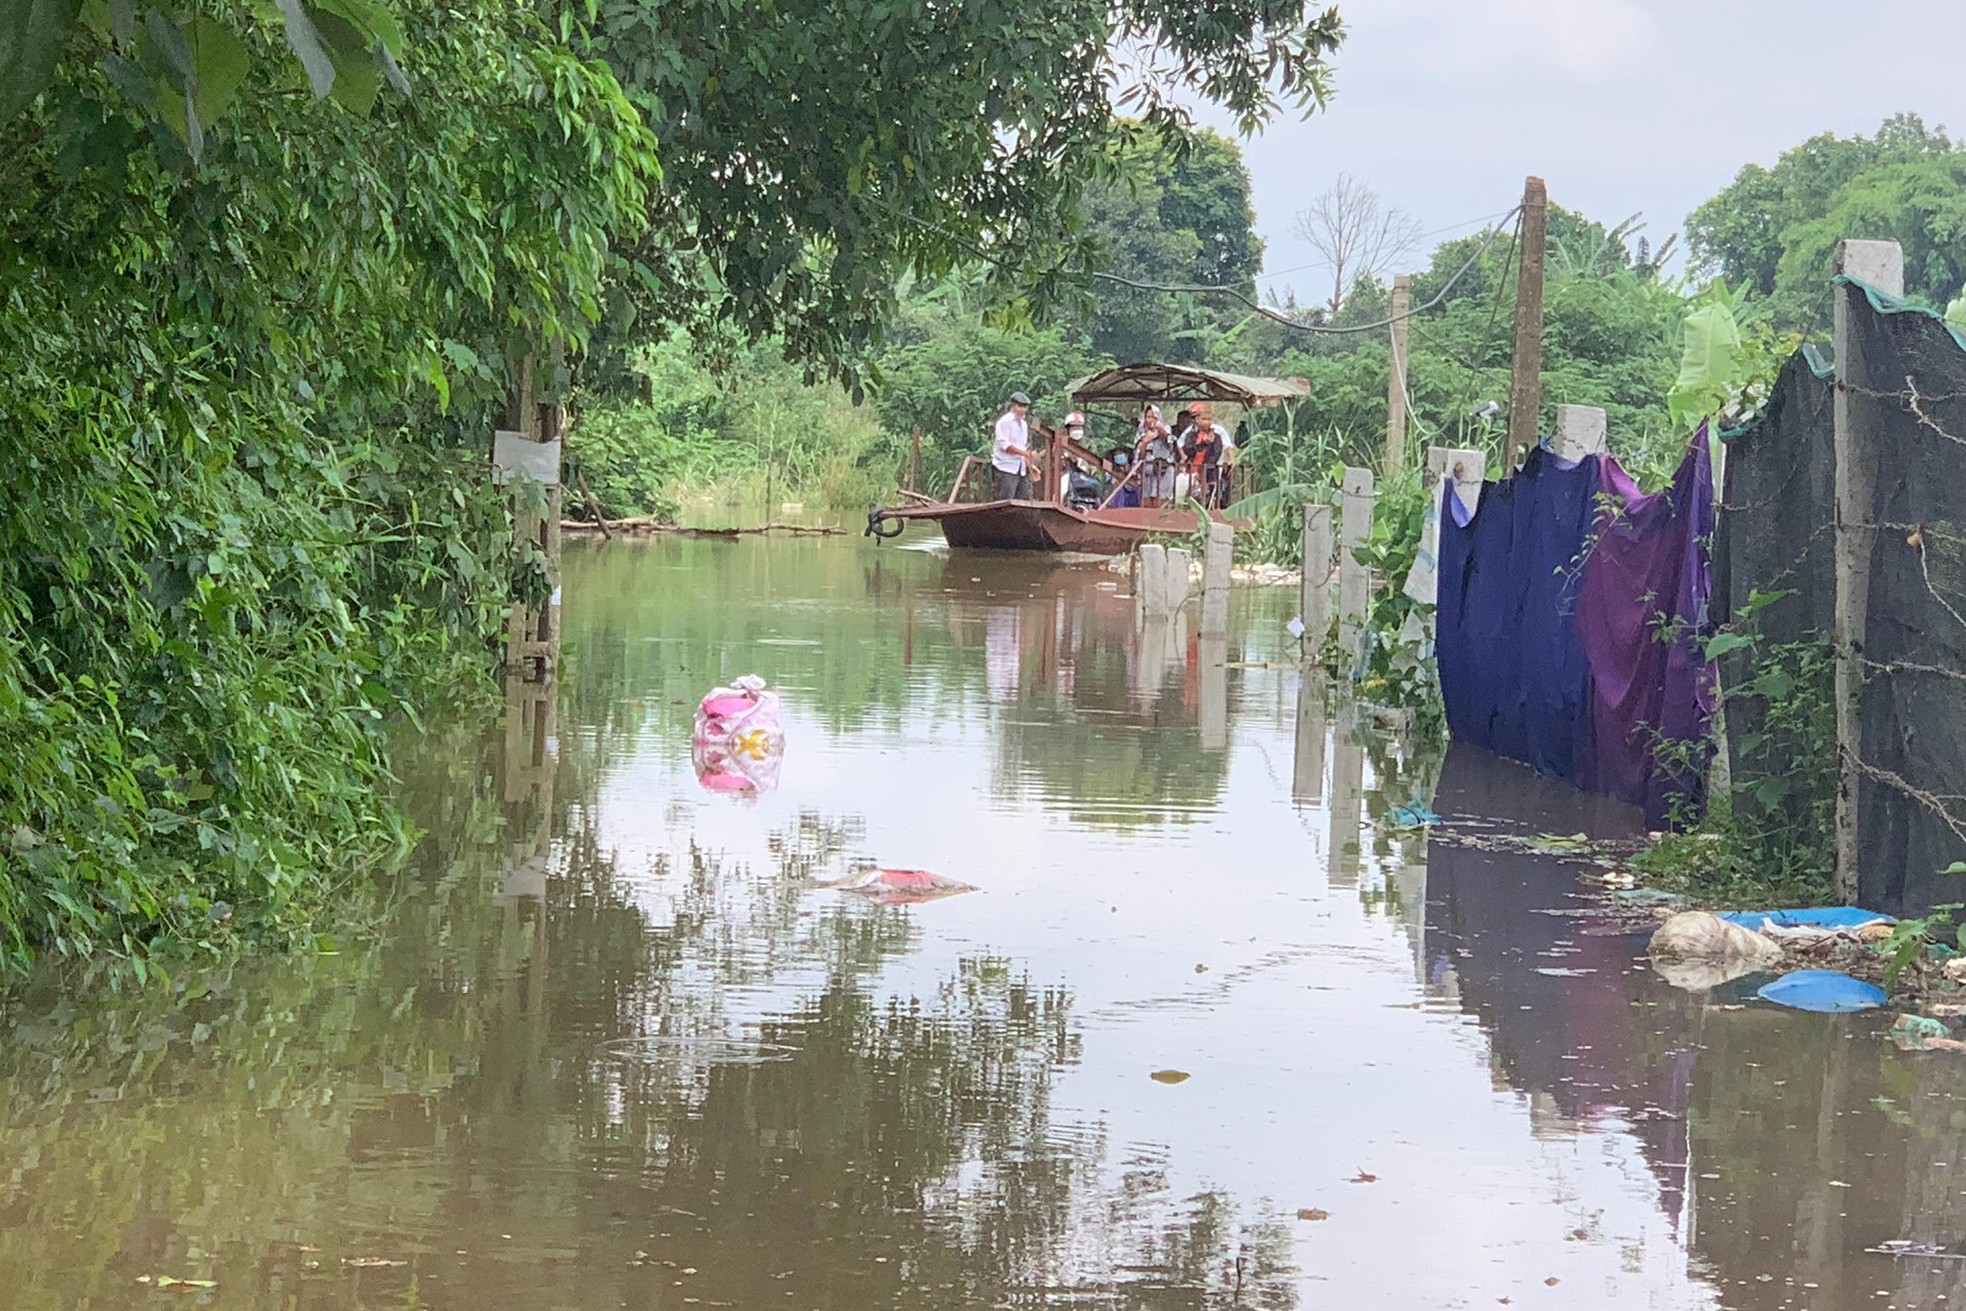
(1813, 921)
(900, 887)
(1822, 990)
(739, 739)
(1698, 935)
(1695, 950)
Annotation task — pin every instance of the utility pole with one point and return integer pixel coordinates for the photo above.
(1396, 387)
(1526, 375)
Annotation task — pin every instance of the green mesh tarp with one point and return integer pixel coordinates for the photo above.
(1907, 386)
(1905, 382)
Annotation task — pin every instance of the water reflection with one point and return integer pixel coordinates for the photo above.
(611, 1046)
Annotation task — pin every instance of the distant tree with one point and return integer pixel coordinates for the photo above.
(1178, 210)
(1773, 230)
(1358, 233)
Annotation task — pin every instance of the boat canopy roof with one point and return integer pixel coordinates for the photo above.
(1140, 383)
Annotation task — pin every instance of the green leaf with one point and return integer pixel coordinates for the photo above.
(222, 63)
(1956, 312)
(305, 39)
(357, 79)
(33, 35)
(1710, 362)
(1721, 643)
(1774, 685)
(370, 19)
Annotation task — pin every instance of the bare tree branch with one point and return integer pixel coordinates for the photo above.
(1358, 233)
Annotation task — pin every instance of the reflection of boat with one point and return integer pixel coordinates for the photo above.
(1046, 522)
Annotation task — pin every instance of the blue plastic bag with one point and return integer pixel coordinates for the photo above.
(1822, 990)
(1813, 917)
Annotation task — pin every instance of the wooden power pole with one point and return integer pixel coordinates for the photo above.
(1526, 374)
(1396, 386)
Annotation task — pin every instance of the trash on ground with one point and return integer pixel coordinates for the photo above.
(1312, 1213)
(1823, 990)
(1363, 1178)
(1560, 842)
(1696, 949)
(1813, 921)
(1170, 1076)
(1922, 1033)
(739, 739)
(899, 887)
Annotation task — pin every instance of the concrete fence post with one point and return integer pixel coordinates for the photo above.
(1217, 557)
(1881, 264)
(1580, 431)
(1314, 591)
(1354, 579)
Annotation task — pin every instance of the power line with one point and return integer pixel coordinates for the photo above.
(1198, 288)
(1212, 289)
(1451, 227)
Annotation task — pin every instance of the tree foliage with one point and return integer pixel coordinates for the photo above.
(1774, 230)
(815, 152)
(1177, 211)
(245, 409)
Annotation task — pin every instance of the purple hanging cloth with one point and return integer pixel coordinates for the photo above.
(1572, 608)
(1643, 615)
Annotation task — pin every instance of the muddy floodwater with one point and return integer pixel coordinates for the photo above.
(1210, 1032)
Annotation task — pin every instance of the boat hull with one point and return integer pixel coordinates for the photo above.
(1045, 526)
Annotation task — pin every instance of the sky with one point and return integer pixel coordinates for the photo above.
(1621, 106)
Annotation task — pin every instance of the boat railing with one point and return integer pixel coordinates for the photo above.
(971, 465)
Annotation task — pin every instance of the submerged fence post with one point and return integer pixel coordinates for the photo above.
(1881, 264)
(1217, 556)
(1314, 587)
(1174, 580)
(1354, 579)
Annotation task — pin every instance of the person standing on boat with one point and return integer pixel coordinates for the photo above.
(1010, 454)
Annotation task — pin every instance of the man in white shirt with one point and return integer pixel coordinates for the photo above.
(1010, 454)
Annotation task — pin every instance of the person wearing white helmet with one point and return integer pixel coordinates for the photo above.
(1075, 435)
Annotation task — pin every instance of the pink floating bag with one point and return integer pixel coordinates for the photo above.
(739, 739)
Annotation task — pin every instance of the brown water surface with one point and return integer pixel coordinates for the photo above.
(617, 1049)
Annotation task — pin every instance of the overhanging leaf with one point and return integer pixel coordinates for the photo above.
(33, 35)
(357, 79)
(222, 63)
(370, 19)
(305, 39)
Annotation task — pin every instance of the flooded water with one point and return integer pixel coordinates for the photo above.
(1210, 1033)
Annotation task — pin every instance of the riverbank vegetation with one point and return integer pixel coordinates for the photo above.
(268, 276)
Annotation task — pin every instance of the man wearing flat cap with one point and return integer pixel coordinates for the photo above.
(1010, 455)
